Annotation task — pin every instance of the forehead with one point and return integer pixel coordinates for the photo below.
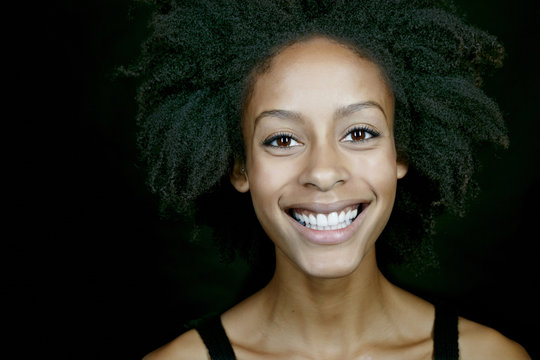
(318, 69)
(314, 50)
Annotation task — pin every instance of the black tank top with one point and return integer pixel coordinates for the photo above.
(445, 336)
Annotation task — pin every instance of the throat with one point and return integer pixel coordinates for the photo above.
(325, 310)
(327, 298)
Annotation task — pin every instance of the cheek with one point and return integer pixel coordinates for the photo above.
(268, 178)
(379, 169)
(268, 182)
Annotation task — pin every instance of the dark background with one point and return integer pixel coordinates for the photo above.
(92, 271)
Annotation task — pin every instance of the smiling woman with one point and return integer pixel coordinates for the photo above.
(320, 94)
(349, 124)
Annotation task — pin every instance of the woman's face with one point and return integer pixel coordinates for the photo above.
(320, 156)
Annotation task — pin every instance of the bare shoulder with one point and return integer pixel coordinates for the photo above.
(481, 342)
(188, 346)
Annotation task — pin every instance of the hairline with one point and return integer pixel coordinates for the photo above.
(264, 65)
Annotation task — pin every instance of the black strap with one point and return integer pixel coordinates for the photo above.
(445, 334)
(214, 337)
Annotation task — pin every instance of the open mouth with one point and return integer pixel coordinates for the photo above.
(331, 221)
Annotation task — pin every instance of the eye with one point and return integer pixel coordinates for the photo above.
(360, 134)
(281, 141)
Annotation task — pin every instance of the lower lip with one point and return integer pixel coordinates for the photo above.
(330, 237)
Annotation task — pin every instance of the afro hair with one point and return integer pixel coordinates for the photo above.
(196, 70)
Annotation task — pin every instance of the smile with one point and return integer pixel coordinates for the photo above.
(335, 220)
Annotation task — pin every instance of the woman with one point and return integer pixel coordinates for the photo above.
(326, 113)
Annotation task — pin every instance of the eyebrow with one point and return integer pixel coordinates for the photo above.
(351, 109)
(282, 114)
(340, 112)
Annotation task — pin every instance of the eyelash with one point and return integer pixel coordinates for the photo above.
(268, 142)
(365, 129)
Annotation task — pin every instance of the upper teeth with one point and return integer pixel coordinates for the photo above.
(332, 221)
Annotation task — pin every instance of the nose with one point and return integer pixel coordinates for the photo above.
(324, 168)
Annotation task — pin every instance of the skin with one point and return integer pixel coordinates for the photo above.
(319, 138)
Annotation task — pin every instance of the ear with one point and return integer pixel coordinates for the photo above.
(238, 176)
(402, 168)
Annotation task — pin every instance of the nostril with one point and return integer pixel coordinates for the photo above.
(323, 183)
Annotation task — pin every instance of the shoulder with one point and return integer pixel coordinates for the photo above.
(188, 346)
(481, 342)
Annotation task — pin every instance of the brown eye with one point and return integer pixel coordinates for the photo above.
(283, 141)
(358, 135)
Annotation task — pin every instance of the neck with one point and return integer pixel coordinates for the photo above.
(316, 307)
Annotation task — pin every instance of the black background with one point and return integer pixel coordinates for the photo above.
(91, 269)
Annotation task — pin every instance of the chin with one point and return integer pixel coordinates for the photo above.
(331, 273)
(334, 265)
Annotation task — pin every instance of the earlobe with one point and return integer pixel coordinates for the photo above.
(239, 177)
(402, 168)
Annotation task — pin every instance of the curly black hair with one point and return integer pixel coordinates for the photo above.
(196, 69)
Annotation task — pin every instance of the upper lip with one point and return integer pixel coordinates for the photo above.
(322, 208)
